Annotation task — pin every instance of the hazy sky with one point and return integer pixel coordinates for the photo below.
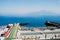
(26, 7)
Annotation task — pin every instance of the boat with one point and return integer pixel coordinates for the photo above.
(52, 24)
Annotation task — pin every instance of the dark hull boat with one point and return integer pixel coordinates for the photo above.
(52, 24)
(23, 24)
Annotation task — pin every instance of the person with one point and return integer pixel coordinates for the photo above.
(55, 36)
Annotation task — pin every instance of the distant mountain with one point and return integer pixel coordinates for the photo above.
(33, 14)
(41, 13)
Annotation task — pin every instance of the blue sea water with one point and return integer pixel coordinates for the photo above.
(33, 21)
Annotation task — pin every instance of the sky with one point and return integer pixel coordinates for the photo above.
(29, 7)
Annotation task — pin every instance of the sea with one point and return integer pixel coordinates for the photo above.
(33, 21)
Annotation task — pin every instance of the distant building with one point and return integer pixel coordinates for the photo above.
(38, 34)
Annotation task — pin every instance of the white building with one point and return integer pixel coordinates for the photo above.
(3, 30)
(38, 34)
